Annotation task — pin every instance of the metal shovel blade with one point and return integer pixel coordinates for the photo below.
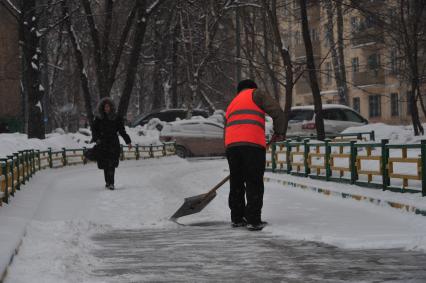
(194, 204)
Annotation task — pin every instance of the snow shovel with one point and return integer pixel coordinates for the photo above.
(195, 204)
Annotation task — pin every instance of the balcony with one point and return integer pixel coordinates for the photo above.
(368, 4)
(367, 36)
(302, 86)
(299, 49)
(369, 77)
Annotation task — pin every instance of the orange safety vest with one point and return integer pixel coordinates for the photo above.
(245, 121)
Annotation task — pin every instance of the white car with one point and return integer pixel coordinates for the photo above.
(336, 119)
(195, 137)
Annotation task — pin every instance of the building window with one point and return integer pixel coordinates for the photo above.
(410, 99)
(370, 21)
(394, 104)
(354, 24)
(328, 73)
(373, 61)
(356, 105)
(297, 37)
(314, 35)
(355, 65)
(327, 36)
(393, 66)
(374, 106)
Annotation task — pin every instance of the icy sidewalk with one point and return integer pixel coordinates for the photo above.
(81, 232)
(212, 252)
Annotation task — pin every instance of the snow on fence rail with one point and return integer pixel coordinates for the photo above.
(342, 137)
(16, 169)
(395, 167)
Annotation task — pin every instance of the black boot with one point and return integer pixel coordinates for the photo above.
(109, 178)
(111, 173)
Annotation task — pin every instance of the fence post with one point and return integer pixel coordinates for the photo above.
(38, 160)
(64, 157)
(385, 157)
(12, 174)
(18, 173)
(306, 149)
(3, 162)
(288, 155)
(84, 155)
(50, 158)
(121, 152)
(164, 150)
(423, 156)
(151, 152)
(352, 165)
(22, 164)
(33, 168)
(27, 164)
(273, 159)
(137, 151)
(327, 151)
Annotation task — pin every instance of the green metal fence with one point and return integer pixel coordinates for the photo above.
(395, 167)
(17, 169)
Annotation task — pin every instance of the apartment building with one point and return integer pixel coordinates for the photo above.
(374, 87)
(10, 97)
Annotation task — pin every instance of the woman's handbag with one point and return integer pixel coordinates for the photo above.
(91, 153)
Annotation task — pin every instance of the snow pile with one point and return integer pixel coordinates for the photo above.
(142, 135)
(397, 134)
(218, 117)
(10, 143)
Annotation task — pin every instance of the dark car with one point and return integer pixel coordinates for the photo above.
(167, 115)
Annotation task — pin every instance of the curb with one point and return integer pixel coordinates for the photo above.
(3, 273)
(327, 192)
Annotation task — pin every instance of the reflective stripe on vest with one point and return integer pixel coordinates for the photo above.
(245, 121)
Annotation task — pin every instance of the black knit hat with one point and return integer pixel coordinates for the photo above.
(244, 84)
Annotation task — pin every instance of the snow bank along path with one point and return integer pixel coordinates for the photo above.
(80, 232)
(16, 170)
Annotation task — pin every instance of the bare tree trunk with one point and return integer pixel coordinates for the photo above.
(80, 64)
(161, 38)
(134, 59)
(319, 122)
(238, 44)
(174, 68)
(285, 57)
(336, 59)
(342, 86)
(410, 39)
(97, 48)
(119, 50)
(31, 73)
(417, 125)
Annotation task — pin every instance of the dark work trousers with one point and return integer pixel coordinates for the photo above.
(247, 167)
(109, 173)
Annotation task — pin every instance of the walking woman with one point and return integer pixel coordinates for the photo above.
(105, 128)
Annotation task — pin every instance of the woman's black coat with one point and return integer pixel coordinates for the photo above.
(104, 133)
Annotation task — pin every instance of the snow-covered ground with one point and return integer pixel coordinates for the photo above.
(72, 223)
(73, 219)
(397, 134)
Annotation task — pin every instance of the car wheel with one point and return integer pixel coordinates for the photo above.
(181, 151)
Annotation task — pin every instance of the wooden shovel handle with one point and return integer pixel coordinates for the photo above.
(219, 185)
